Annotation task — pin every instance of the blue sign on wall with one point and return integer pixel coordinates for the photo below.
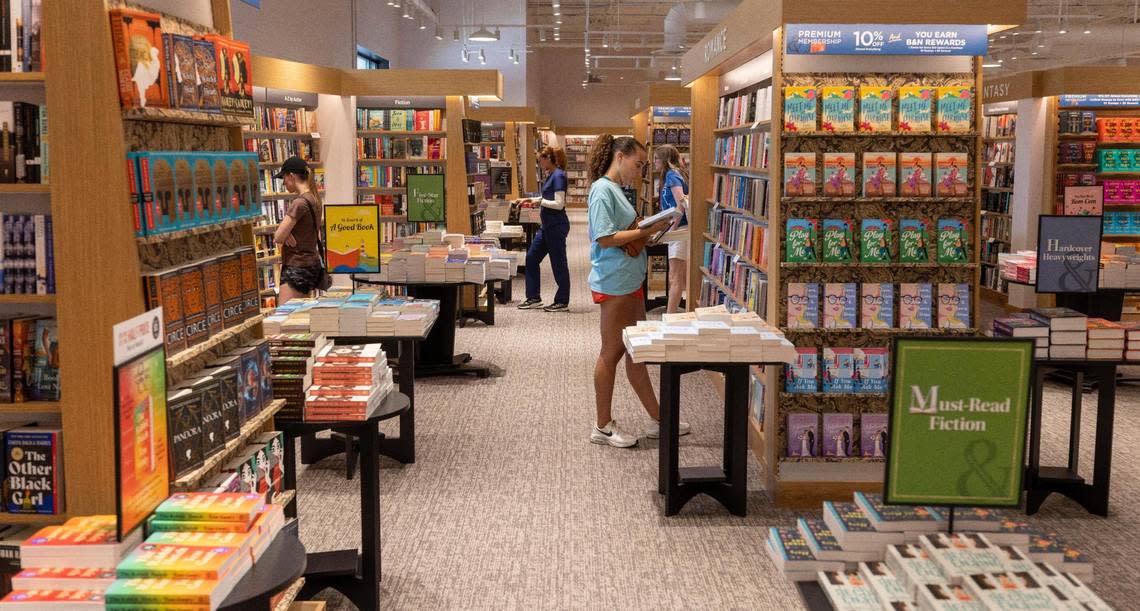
(1099, 100)
(882, 39)
(672, 111)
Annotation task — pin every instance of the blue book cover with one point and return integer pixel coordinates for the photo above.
(803, 305)
(871, 370)
(32, 483)
(915, 306)
(802, 375)
(877, 306)
(839, 370)
(839, 305)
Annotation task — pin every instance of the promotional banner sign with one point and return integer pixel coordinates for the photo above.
(143, 467)
(1104, 100)
(1068, 253)
(957, 423)
(1084, 201)
(884, 39)
(425, 198)
(673, 111)
(352, 233)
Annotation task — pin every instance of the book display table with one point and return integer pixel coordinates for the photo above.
(402, 448)
(436, 356)
(354, 573)
(1041, 481)
(726, 483)
(658, 250)
(282, 564)
(487, 315)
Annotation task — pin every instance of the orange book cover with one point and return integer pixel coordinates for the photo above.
(139, 62)
(162, 561)
(73, 599)
(194, 593)
(210, 507)
(235, 80)
(55, 536)
(203, 538)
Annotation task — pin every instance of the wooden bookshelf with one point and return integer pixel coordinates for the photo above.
(171, 236)
(577, 169)
(11, 189)
(33, 518)
(22, 77)
(31, 407)
(180, 358)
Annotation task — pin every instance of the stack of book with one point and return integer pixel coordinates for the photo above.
(349, 383)
(1063, 333)
(1022, 325)
(1132, 340)
(1020, 266)
(357, 315)
(1106, 339)
(1068, 331)
(703, 335)
(427, 257)
(867, 555)
(293, 356)
(354, 313)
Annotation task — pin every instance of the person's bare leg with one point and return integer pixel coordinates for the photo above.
(633, 310)
(286, 292)
(605, 370)
(678, 282)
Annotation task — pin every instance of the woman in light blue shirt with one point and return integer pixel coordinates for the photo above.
(616, 280)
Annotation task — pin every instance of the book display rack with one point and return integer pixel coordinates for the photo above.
(577, 169)
(655, 126)
(861, 225)
(999, 126)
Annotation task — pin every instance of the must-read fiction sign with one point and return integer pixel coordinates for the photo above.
(884, 39)
(957, 423)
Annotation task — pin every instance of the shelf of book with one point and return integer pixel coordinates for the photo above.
(269, 134)
(383, 190)
(170, 236)
(17, 298)
(741, 169)
(883, 134)
(371, 133)
(739, 129)
(194, 479)
(31, 407)
(276, 164)
(402, 162)
(24, 187)
(577, 168)
(180, 358)
(173, 115)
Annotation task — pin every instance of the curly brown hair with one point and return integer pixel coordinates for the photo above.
(605, 147)
(556, 156)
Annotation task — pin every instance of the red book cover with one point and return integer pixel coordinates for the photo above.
(235, 80)
(139, 62)
(212, 284)
(194, 305)
(423, 120)
(23, 330)
(164, 288)
(250, 289)
(232, 302)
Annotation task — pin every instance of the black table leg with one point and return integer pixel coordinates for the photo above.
(437, 353)
(736, 440)
(1102, 469)
(403, 448)
(291, 472)
(667, 450)
(370, 519)
(1034, 497)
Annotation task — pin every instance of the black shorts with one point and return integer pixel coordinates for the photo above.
(302, 279)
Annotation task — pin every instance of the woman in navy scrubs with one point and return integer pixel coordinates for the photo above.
(551, 236)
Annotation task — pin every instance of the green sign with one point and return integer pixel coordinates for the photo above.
(425, 198)
(957, 421)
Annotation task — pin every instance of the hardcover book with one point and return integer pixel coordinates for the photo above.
(876, 240)
(914, 174)
(235, 80)
(208, 397)
(880, 173)
(181, 71)
(838, 240)
(955, 109)
(839, 305)
(839, 174)
(803, 305)
(803, 433)
(194, 305)
(206, 69)
(229, 398)
(802, 375)
(915, 108)
(44, 383)
(799, 174)
(838, 435)
(953, 242)
(251, 301)
(914, 306)
(838, 109)
(877, 309)
(873, 435)
(913, 241)
(953, 306)
(800, 109)
(838, 370)
(33, 481)
(233, 304)
(871, 370)
(876, 108)
(139, 62)
(212, 292)
(801, 241)
(953, 174)
(184, 417)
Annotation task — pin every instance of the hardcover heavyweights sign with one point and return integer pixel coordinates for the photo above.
(957, 421)
(142, 469)
(425, 198)
(1068, 254)
(352, 233)
(884, 39)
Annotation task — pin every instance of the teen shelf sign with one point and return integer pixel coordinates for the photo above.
(1068, 253)
(884, 39)
(142, 465)
(957, 422)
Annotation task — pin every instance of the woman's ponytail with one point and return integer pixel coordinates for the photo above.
(601, 156)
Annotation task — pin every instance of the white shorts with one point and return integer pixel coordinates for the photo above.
(679, 249)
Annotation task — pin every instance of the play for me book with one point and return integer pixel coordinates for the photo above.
(915, 103)
(880, 173)
(876, 109)
(952, 241)
(876, 240)
(838, 109)
(837, 240)
(913, 241)
(955, 109)
(800, 109)
(801, 241)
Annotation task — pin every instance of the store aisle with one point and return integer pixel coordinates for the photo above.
(510, 506)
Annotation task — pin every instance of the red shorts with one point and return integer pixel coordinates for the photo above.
(600, 297)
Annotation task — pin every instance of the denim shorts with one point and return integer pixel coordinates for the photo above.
(302, 279)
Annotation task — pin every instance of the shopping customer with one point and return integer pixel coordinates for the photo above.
(617, 270)
(297, 237)
(551, 236)
(674, 194)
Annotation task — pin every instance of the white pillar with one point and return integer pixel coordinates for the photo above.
(1030, 162)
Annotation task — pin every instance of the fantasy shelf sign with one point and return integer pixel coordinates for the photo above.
(958, 415)
(884, 39)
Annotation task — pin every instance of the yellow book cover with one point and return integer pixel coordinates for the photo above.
(915, 105)
(955, 109)
(838, 109)
(162, 591)
(203, 538)
(210, 507)
(876, 108)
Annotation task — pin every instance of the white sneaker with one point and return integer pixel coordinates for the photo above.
(654, 429)
(612, 435)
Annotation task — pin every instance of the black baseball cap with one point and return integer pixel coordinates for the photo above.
(293, 165)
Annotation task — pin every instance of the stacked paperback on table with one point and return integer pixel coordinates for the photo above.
(1063, 333)
(870, 556)
(438, 257)
(708, 335)
(349, 383)
(292, 356)
(356, 315)
(1119, 266)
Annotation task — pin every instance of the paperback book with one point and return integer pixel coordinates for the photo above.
(837, 241)
(876, 240)
(851, 528)
(915, 108)
(800, 109)
(839, 174)
(913, 567)
(953, 241)
(953, 306)
(877, 309)
(888, 589)
(955, 109)
(848, 590)
(899, 518)
(801, 238)
(876, 108)
(799, 174)
(914, 305)
(958, 555)
(33, 483)
(838, 109)
(915, 174)
(803, 305)
(953, 174)
(839, 305)
(838, 370)
(913, 241)
(880, 173)
(873, 435)
(803, 433)
(871, 368)
(838, 435)
(802, 375)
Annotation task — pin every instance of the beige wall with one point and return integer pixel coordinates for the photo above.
(296, 30)
(560, 92)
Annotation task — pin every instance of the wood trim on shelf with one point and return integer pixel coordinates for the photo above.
(740, 169)
(22, 77)
(17, 298)
(24, 187)
(204, 229)
(180, 358)
(33, 518)
(31, 407)
(757, 126)
(173, 115)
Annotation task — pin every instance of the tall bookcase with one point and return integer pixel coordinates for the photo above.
(577, 169)
(663, 126)
(999, 126)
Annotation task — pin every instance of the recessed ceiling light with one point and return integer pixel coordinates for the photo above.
(1036, 31)
(1013, 58)
(1087, 31)
(991, 65)
(1033, 53)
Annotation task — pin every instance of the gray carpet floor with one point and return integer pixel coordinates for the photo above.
(509, 506)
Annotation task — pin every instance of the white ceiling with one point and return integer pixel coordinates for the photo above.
(1095, 32)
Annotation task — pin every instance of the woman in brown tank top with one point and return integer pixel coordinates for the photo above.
(296, 236)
